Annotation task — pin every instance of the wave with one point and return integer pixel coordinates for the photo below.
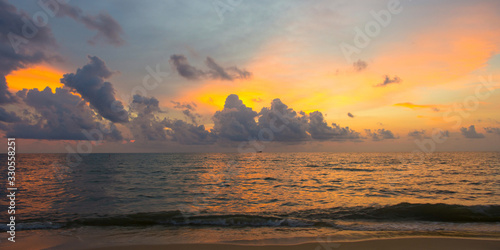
(403, 212)
(410, 212)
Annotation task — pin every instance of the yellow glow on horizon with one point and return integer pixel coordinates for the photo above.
(415, 106)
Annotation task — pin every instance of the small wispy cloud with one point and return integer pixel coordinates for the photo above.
(388, 81)
(359, 65)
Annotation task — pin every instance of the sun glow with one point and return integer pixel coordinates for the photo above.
(38, 77)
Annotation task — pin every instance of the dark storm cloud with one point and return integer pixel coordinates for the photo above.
(388, 81)
(285, 122)
(492, 130)
(215, 71)
(61, 116)
(380, 134)
(236, 122)
(21, 45)
(350, 115)
(9, 117)
(359, 65)
(319, 129)
(89, 82)
(106, 26)
(471, 133)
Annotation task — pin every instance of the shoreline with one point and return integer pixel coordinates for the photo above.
(408, 243)
(75, 240)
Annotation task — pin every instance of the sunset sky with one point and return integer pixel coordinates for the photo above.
(206, 76)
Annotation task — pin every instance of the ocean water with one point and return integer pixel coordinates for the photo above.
(266, 197)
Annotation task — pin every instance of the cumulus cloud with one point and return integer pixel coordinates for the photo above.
(286, 124)
(146, 105)
(145, 124)
(108, 29)
(192, 116)
(21, 45)
(190, 134)
(417, 134)
(236, 122)
(215, 71)
(492, 130)
(61, 116)
(471, 132)
(388, 80)
(149, 126)
(350, 115)
(89, 82)
(359, 65)
(380, 134)
(319, 129)
(188, 110)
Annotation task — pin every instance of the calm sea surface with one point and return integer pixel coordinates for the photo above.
(256, 197)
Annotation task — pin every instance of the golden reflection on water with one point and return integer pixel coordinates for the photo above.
(246, 183)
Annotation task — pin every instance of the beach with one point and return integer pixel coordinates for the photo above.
(408, 243)
(267, 201)
(387, 244)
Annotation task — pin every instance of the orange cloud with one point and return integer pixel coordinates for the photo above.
(417, 106)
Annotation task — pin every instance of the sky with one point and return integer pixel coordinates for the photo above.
(245, 76)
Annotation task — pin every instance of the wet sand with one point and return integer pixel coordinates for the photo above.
(388, 244)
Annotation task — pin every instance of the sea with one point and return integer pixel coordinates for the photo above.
(260, 198)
